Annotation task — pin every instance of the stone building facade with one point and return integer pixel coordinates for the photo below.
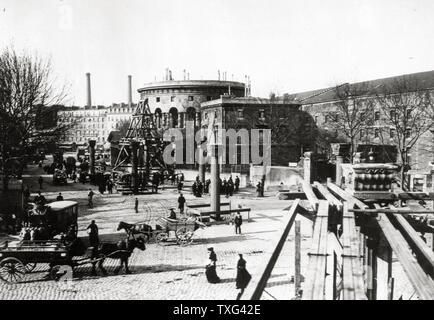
(322, 104)
(174, 102)
(260, 113)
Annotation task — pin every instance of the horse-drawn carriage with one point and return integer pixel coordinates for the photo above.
(20, 257)
(58, 245)
(181, 230)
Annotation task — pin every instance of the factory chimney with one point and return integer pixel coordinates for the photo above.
(89, 95)
(130, 93)
(184, 74)
(219, 74)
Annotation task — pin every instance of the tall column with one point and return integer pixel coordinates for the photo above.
(92, 156)
(89, 95)
(170, 120)
(197, 119)
(215, 174)
(180, 122)
(134, 145)
(307, 165)
(130, 93)
(201, 165)
(339, 161)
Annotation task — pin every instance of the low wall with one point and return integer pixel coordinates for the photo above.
(284, 177)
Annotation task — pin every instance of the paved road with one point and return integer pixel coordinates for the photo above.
(169, 271)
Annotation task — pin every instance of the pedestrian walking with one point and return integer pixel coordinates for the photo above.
(26, 194)
(136, 205)
(243, 276)
(237, 184)
(92, 230)
(181, 203)
(238, 222)
(90, 198)
(210, 269)
(40, 181)
(180, 186)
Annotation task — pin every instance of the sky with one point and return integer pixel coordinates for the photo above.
(285, 46)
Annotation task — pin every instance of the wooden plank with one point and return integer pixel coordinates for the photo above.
(353, 285)
(257, 285)
(388, 210)
(422, 283)
(297, 242)
(314, 288)
(328, 195)
(345, 195)
(416, 241)
(310, 195)
(204, 205)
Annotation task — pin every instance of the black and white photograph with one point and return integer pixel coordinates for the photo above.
(217, 154)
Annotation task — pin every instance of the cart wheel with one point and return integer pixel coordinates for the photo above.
(161, 237)
(12, 270)
(184, 236)
(30, 266)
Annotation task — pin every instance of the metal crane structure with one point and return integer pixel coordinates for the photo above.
(142, 150)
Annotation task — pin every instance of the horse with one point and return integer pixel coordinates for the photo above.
(121, 250)
(132, 229)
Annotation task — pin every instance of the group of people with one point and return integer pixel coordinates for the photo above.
(197, 188)
(106, 185)
(243, 276)
(228, 187)
(33, 233)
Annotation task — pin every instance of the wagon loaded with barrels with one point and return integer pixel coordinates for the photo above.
(166, 229)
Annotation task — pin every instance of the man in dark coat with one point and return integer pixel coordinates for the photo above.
(90, 198)
(59, 197)
(243, 276)
(136, 205)
(172, 214)
(238, 222)
(93, 234)
(181, 203)
(237, 184)
(40, 181)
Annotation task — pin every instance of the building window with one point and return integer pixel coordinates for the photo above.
(261, 114)
(240, 113)
(392, 133)
(190, 98)
(377, 133)
(172, 99)
(377, 115)
(157, 99)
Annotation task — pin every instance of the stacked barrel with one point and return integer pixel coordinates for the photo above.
(374, 177)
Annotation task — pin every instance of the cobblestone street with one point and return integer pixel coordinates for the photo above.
(168, 271)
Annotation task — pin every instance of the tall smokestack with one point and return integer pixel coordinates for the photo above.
(89, 95)
(184, 74)
(130, 93)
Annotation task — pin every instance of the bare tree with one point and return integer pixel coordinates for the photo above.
(26, 88)
(408, 112)
(353, 112)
